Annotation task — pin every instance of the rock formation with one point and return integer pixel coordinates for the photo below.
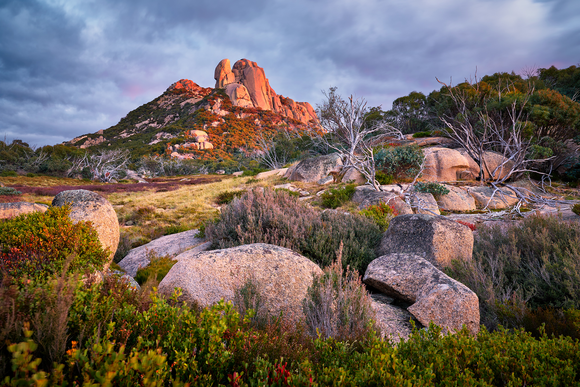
(435, 238)
(205, 278)
(170, 245)
(316, 168)
(435, 297)
(247, 86)
(10, 210)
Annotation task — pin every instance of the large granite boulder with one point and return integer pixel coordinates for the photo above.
(443, 164)
(282, 276)
(168, 245)
(435, 238)
(496, 166)
(239, 95)
(456, 200)
(490, 198)
(435, 297)
(365, 196)
(316, 168)
(90, 206)
(10, 210)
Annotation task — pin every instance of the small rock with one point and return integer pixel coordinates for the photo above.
(10, 210)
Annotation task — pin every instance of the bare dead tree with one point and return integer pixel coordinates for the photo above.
(349, 134)
(269, 155)
(478, 131)
(106, 165)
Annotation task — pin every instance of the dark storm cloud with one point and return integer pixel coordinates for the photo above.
(72, 67)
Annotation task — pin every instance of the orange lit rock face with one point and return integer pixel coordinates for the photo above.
(247, 86)
(185, 85)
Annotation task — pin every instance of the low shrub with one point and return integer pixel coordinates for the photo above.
(158, 268)
(523, 267)
(383, 178)
(253, 171)
(227, 196)
(403, 162)
(380, 213)
(275, 217)
(576, 208)
(431, 187)
(336, 197)
(338, 305)
(9, 191)
(8, 173)
(39, 244)
(422, 134)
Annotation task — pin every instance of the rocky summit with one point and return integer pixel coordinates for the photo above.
(189, 121)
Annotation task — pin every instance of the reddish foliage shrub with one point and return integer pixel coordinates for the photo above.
(38, 244)
(471, 226)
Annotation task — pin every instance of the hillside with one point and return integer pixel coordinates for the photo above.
(235, 115)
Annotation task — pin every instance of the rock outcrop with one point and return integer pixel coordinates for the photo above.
(168, 245)
(10, 210)
(247, 86)
(494, 200)
(316, 168)
(456, 200)
(435, 297)
(365, 196)
(443, 164)
(90, 206)
(282, 276)
(435, 238)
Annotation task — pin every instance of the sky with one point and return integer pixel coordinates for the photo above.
(71, 67)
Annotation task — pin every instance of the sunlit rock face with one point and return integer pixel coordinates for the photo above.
(247, 86)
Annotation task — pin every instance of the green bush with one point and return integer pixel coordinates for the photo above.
(117, 336)
(266, 216)
(431, 187)
(336, 197)
(380, 213)
(9, 191)
(338, 305)
(401, 162)
(38, 244)
(8, 173)
(523, 267)
(576, 209)
(422, 134)
(383, 178)
(227, 196)
(158, 268)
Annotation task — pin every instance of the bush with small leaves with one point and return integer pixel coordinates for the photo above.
(576, 209)
(38, 244)
(9, 191)
(158, 268)
(380, 213)
(431, 187)
(336, 197)
(227, 196)
(535, 264)
(275, 217)
(402, 162)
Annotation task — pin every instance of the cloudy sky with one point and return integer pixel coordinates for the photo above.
(70, 67)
